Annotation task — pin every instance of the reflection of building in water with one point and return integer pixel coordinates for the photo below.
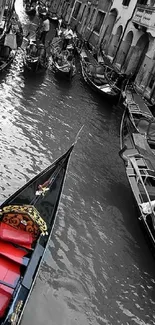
(123, 29)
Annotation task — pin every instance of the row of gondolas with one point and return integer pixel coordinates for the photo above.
(27, 217)
(137, 133)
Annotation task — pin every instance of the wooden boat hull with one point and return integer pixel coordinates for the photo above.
(42, 192)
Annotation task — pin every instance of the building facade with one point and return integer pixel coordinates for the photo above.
(131, 46)
(123, 29)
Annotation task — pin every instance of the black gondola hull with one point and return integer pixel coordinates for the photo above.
(46, 204)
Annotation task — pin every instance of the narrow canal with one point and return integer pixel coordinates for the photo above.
(98, 268)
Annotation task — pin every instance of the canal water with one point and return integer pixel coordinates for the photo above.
(98, 268)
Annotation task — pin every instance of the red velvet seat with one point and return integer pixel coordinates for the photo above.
(5, 298)
(11, 259)
(16, 236)
(9, 274)
(13, 253)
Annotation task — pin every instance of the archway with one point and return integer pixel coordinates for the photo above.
(124, 49)
(115, 41)
(108, 27)
(136, 55)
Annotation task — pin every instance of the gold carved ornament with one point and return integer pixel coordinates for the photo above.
(25, 217)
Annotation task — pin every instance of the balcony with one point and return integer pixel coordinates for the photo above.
(145, 17)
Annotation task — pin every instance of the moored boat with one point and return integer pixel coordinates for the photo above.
(140, 169)
(132, 124)
(10, 39)
(26, 222)
(101, 78)
(65, 69)
(137, 117)
(136, 105)
(35, 57)
(137, 152)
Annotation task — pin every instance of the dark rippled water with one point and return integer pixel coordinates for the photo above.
(98, 268)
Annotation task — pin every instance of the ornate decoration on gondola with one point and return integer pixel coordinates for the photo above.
(15, 315)
(25, 217)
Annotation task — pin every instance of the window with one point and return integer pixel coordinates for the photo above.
(125, 2)
(76, 9)
(99, 21)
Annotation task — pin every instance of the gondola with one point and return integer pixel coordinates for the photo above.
(136, 105)
(26, 222)
(137, 116)
(134, 122)
(137, 152)
(66, 70)
(62, 62)
(103, 79)
(35, 58)
(10, 42)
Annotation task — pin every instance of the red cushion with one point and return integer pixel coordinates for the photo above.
(5, 298)
(13, 253)
(9, 273)
(17, 236)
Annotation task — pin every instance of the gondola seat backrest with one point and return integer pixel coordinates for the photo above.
(15, 236)
(24, 218)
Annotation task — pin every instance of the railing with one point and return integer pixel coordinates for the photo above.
(145, 16)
